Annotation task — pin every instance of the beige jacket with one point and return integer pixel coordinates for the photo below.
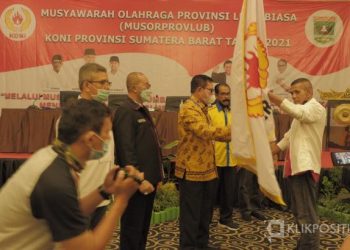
(304, 138)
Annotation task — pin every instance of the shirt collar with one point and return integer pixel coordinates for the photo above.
(220, 107)
(133, 104)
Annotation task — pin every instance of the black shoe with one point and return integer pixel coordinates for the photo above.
(258, 215)
(211, 247)
(208, 247)
(246, 216)
(282, 208)
(228, 224)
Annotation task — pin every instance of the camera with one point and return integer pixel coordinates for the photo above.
(117, 171)
(135, 178)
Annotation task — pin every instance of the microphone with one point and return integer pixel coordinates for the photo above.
(156, 106)
(33, 106)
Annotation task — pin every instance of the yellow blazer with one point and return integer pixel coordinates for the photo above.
(223, 150)
(195, 157)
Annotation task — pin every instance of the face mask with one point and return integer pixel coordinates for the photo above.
(225, 103)
(98, 154)
(211, 99)
(146, 95)
(101, 96)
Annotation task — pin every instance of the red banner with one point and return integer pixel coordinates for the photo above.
(191, 36)
(198, 35)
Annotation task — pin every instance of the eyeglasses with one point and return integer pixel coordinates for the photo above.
(102, 82)
(99, 137)
(211, 90)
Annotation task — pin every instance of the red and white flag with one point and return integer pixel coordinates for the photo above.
(252, 117)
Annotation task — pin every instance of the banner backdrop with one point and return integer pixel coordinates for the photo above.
(169, 41)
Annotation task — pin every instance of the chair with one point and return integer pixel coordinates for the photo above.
(172, 103)
(114, 100)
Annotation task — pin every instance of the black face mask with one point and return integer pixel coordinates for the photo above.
(225, 106)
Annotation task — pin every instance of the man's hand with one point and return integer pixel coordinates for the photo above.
(274, 148)
(226, 137)
(124, 184)
(146, 187)
(279, 80)
(276, 100)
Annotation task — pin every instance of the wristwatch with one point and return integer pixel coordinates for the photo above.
(104, 194)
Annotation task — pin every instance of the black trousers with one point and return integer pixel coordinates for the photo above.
(97, 216)
(250, 198)
(226, 192)
(303, 204)
(135, 222)
(196, 208)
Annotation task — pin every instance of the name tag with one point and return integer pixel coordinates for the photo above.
(141, 120)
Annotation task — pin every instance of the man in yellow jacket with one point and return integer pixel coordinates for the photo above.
(221, 116)
(195, 164)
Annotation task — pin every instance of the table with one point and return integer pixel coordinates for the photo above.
(27, 130)
(166, 125)
(9, 163)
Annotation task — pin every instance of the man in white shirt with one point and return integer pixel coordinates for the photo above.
(94, 84)
(89, 55)
(280, 86)
(114, 75)
(55, 77)
(223, 77)
(303, 160)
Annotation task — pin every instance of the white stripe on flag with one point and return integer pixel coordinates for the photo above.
(252, 118)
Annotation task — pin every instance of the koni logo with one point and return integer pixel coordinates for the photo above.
(17, 22)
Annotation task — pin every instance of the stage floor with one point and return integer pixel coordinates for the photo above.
(250, 235)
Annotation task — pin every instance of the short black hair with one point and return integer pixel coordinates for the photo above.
(227, 62)
(217, 87)
(282, 60)
(200, 81)
(114, 59)
(56, 57)
(89, 51)
(87, 70)
(299, 80)
(305, 83)
(79, 117)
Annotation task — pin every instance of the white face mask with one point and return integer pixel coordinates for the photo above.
(211, 99)
(146, 95)
(101, 96)
(98, 154)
